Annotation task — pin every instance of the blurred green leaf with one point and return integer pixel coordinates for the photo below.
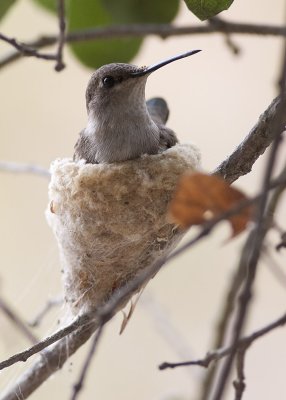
(88, 14)
(4, 6)
(140, 11)
(84, 14)
(50, 5)
(205, 9)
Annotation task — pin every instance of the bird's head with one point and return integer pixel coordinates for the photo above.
(118, 84)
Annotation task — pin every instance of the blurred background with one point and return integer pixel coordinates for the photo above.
(215, 98)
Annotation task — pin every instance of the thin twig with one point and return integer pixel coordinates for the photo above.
(41, 42)
(217, 21)
(17, 321)
(222, 326)
(167, 30)
(230, 43)
(276, 196)
(51, 361)
(239, 383)
(218, 354)
(276, 270)
(25, 50)
(240, 162)
(282, 243)
(139, 30)
(43, 312)
(24, 168)
(79, 385)
(23, 356)
(61, 41)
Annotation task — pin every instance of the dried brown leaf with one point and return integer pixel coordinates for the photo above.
(200, 197)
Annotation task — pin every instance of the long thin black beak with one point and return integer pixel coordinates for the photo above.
(161, 64)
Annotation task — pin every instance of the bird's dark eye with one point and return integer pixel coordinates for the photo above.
(108, 81)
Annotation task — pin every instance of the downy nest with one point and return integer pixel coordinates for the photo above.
(110, 220)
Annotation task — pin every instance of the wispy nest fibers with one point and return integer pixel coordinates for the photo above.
(110, 220)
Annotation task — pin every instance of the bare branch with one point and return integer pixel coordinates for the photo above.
(24, 168)
(272, 207)
(222, 326)
(233, 47)
(274, 268)
(24, 355)
(51, 361)
(276, 196)
(79, 385)
(282, 243)
(17, 321)
(62, 28)
(240, 162)
(25, 50)
(139, 30)
(41, 42)
(239, 383)
(46, 308)
(218, 354)
(31, 50)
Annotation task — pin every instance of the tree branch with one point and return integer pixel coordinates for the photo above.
(222, 326)
(25, 50)
(45, 309)
(51, 361)
(239, 383)
(79, 385)
(136, 30)
(61, 41)
(218, 354)
(17, 321)
(41, 42)
(24, 168)
(30, 50)
(240, 162)
(82, 320)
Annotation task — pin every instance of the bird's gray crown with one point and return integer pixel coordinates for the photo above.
(109, 76)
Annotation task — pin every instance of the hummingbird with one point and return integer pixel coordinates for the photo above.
(121, 124)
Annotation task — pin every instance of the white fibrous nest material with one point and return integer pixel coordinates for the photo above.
(110, 220)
